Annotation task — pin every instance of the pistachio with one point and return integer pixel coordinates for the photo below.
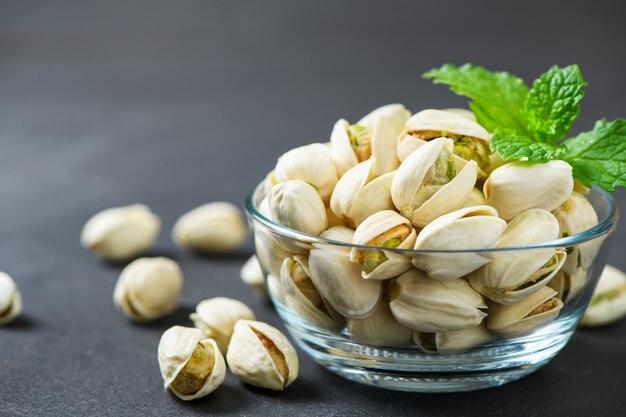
(385, 229)
(121, 233)
(466, 228)
(252, 275)
(261, 355)
(568, 285)
(431, 306)
(455, 341)
(148, 288)
(379, 329)
(312, 164)
(338, 280)
(426, 185)
(519, 186)
(524, 316)
(275, 289)
(216, 317)
(608, 303)
(475, 198)
(213, 227)
(191, 366)
(396, 115)
(464, 113)
(302, 296)
(297, 205)
(269, 250)
(10, 299)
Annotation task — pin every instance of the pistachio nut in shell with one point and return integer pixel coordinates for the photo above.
(475, 198)
(464, 113)
(568, 285)
(303, 298)
(519, 186)
(275, 289)
(608, 303)
(261, 355)
(455, 341)
(395, 114)
(212, 227)
(269, 250)
(359, 193)
(121, 233)
(148, 288)
(426, 185)
(514, 274)
(339, 280)
(432, 306)
(379, 329)
(526, 315)
(216, 317)
(312, 164)
(191, 365)
(385, 229)
(466, 228)
(10, 299)
(297, 205)
(252, 275)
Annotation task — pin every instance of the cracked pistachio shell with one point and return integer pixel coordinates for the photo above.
(148, 288)
(191, 366)
(338, 280)
(464, 113)
(519, 186)
(303, 298)
(379, 329)
(359, 194)
(386, 229)
(297, 205)
(310, 163)
(261, 355)
(121, 233)
(275, 289)
(517, 319)
(395, 114)
(568, 285)
(212, 227)
(466, 228)
(216, 317)
(455, 341)
(10, 299)
(427, 185)
(426, 305)
(475, 198)
(445, 121)
(511, 273)
(269, 250)
(252, 275)
(608, 303)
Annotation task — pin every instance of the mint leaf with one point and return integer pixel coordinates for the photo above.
(497, 97)
(512, 146)
(599, 156)
(551, 106)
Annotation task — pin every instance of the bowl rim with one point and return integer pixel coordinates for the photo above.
(604, 227)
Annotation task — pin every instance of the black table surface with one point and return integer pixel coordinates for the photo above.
(178, 103)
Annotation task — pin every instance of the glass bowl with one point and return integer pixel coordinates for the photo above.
(409, 368)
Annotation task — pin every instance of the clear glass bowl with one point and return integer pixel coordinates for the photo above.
(407, 368)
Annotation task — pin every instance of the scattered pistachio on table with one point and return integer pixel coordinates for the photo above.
(10, 299)
(252, 275)
(608, 303)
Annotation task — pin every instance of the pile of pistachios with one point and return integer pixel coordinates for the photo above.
(427, 181)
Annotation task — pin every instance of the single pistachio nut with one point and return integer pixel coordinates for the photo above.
(395, 114)
(252, 275)
(269, 250)
(213, 227)
(580, 188)
(121, 233)
(512, 275)
(432, 306)
(519, 186)
(426, 185)
(568, 285)
(338, 280)
(466, 228)
(191, 366)
(455, 341)
(148, 288)
(312, 164)
(608, 303)
(464, 113)
(261, 355)
(216, 317)
(384, 229)
(475, 198)
(10, 299)
(379, 329)
(524, 316)
(302, 296)
(359, 193)
(297, 205)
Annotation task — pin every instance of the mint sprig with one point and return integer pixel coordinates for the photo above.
(530, 123)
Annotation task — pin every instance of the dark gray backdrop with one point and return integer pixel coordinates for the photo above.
(177, 103)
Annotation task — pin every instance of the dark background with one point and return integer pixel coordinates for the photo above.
(178, 103)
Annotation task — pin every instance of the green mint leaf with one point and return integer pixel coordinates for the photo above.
(599, 156)
(513, 146)
(497, 97)
(551, 106)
